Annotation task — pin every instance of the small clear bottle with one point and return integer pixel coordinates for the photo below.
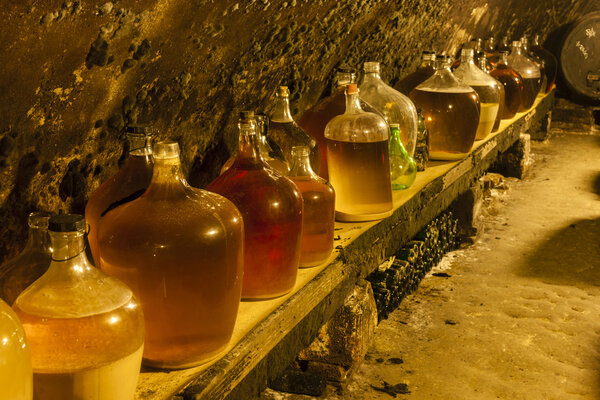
(126, 185)
(486, 87)
(18, 273)
(530, 73)
(395, 107)
(319, 210)
(284, 131)
(403, 168)
(85, 329)
(16, 376)
(424, 72)
(451, 111)
(359, 165)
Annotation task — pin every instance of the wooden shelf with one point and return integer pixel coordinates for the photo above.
(268, 334)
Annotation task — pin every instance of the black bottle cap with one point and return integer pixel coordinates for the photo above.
(140, 129)
(66, 223)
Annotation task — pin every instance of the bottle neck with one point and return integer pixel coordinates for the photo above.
(67, 246)
(353, 103)
(282, 112)
(249, 154)
(371, 76)
(516, 50)
(38, 239)
(395, 137)
(166, 171)
(467, 59)
(140, 145)
(301, 165)
(342, 79)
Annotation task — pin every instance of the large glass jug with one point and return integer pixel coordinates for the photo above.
(537, 60)
(530, 73)
(424, 72)
(85, 328)
(319, 210)
(550, 62)
(359, 166)
(271, 206)
(180, 249)
(403, 168)
(18, 273)
(451, 111)
(275, 159)
(315, 119)
(513, 86)
(287, 134)
(486, 87)
(126, 185)
(395, 107)
(483, 66)
(16, 376)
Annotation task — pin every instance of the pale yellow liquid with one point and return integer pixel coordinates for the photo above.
(487, 118)
(15, 362)
(114, 381)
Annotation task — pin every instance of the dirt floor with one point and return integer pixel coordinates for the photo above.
(519, 315)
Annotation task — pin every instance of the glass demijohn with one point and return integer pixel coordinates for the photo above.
(18, 273)
(126, 185)
(530, 73)
(403, 168)
(550, 62)
(284, 131)
(537, 60)
(482, 66)
(180, 249)
(424, 72)
(359, 166)
(319, 210)
(513, 86)
(16, 376)
(271, 206)
(395, 107)
(451, 111)
(85, 328)
(486, 87)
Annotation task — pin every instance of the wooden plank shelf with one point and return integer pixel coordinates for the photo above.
(268, 334)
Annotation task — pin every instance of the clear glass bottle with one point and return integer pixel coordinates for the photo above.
(483, 67)
(180, 249)
(319, 210)
(271, 206)
(127, 184)
(395, 107)
(85, 329)
(425, 71)
(513, 86)
(18, 273)
(451, 111)
(486, 87)
(16, 376)
(403, 168)
(284, 131)
(275, 159)
(537, 60)
(550, 62)
(421, 156)
(530, 73)
(359, 166)
(315, 119)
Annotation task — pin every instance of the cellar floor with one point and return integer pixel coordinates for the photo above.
(518, 316)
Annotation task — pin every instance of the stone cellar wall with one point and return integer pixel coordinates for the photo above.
(75, 72)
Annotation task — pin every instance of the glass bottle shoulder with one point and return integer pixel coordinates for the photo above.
(357, 127)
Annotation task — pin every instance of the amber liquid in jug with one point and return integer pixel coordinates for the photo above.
(271, 206)
(180, 249)
(126, 185)
(16, 375)
(513, 86)
(530, 73)
(424, 72)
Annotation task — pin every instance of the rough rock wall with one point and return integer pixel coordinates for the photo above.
(74, 72)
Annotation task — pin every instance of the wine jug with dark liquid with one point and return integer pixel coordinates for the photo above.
(550, 62)
(451, 111)
(315, 119)
(18, 273)
(126, 185)
(486, 87)
(512, 83)
(403, 168)
(271, 206)
(537, 60)
(284, 131)
(395, 107)
(180, 249)
(275, 159)
(483, 67)
(16, 376)
(530, 73)
(425, 71)
(359, 166)
(85, 328)
(319, 210)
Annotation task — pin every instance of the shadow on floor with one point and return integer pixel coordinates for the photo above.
(570, 256)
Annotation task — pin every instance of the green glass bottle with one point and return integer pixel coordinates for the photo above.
(403, 167)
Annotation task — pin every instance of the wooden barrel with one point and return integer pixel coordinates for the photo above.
(579, 57)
